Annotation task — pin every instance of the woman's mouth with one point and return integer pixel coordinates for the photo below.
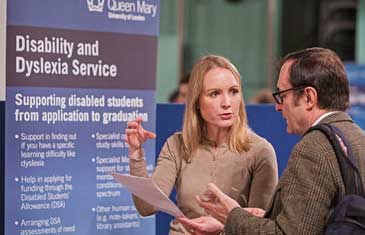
(226, 116)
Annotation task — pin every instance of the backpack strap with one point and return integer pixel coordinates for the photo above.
(348, 165)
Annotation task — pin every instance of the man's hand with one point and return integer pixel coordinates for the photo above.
(219, 205)
(204, 225)
(255, 211)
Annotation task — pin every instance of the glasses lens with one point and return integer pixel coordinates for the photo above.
(277, 97)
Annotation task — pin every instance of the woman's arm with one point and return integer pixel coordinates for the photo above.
(264, 176)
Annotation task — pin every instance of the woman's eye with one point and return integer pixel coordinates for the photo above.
(235, 91)
(214, 93)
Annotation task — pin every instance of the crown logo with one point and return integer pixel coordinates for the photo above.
(95, 5)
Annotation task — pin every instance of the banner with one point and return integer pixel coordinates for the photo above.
(2, 49)
(76, 73)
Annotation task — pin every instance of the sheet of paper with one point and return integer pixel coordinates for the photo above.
(145, 189)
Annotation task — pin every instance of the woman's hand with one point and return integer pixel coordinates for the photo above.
(219, 204)
(204, 225)
(136, 135)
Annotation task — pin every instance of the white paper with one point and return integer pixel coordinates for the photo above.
(145, 189)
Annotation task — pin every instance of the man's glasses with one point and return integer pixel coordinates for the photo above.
(278, 95)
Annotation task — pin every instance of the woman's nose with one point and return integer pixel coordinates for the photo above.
(226, 102)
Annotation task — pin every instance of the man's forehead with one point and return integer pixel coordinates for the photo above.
(283, 81)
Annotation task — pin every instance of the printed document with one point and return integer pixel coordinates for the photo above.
(146, 190)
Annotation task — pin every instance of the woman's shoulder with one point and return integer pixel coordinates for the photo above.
(175, 138)
(174, 142)
(259, 145)
(257, 140)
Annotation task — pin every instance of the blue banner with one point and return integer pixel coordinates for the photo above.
(76, 73)
(61, 146)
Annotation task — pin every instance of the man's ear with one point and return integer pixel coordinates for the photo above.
(311, 97)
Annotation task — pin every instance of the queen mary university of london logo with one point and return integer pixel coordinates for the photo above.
(129, 10)
(95, 5)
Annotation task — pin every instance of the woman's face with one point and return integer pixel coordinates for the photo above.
(220, 99)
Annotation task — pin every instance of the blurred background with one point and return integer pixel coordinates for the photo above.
(254, 35)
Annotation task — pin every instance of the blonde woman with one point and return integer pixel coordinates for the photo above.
(215, 145)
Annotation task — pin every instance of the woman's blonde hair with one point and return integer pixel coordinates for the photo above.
(194, 126)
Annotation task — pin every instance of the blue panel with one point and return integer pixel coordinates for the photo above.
(131, 17)
(263, 119)
(169, 118)
(268, 123)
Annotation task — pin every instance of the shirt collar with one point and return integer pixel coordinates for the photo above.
(320, 118)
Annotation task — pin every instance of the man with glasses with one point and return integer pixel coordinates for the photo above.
(312, 88)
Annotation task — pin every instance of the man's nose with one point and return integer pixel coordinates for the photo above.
(278, 107)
